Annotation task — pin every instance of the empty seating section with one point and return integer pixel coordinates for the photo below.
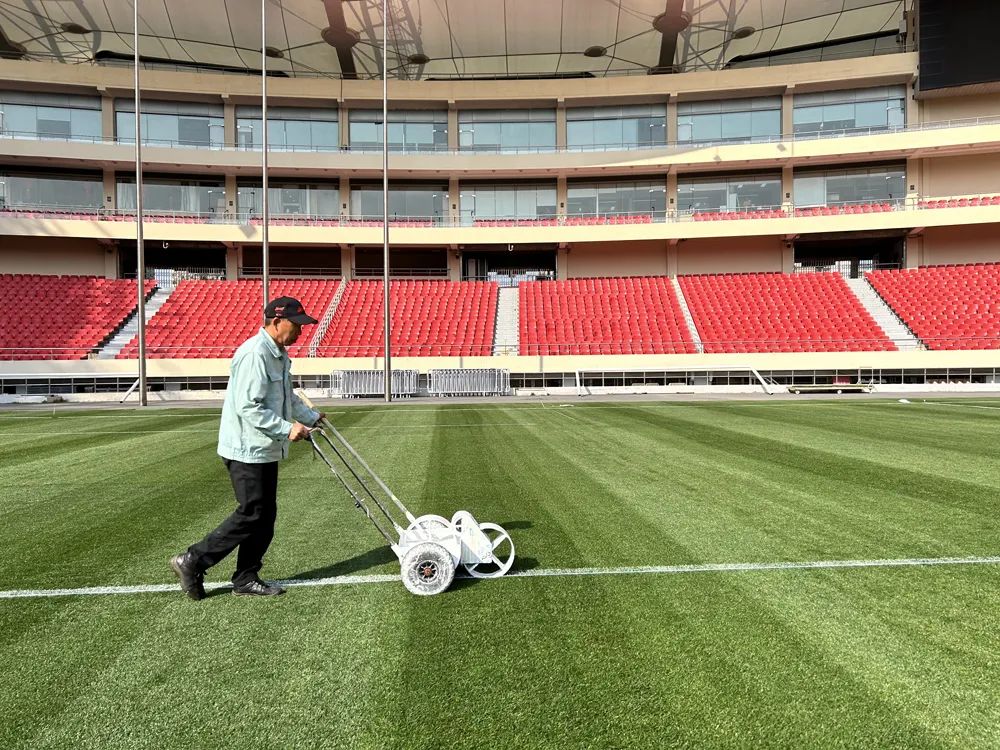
(212, 318)
(639, 315)
(753, 213)
(948, 307)
(429, 318)
(77, 314)
(979, 200)
(773, 312)
(848, 209)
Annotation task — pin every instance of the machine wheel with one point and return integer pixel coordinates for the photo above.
(428, 569)
(429, 521)
(503, 553)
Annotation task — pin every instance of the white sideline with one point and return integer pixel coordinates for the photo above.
(539, 573)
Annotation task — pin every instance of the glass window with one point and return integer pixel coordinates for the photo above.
(416, 202)
(616, 198)
(174, 196)
(409, 130)
(171, 130)
(730, 193)
(36, 121)
(498, 130)
(732, 120)
(842, 112)
(27, 190)
(872, 185)
(289, 199)
(507, 202)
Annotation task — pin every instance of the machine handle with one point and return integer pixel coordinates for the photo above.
(307, 401)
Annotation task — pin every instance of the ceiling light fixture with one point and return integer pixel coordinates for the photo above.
(418, 58)
(345, 38)
(74, 28)
(743, 32)
(274, 52)
(595, 51)
(671, 24)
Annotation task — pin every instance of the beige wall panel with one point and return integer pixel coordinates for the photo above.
(730, 255)
(962, 175)
(641, 258)
(49, 255)
(979, 243)
(959, 107)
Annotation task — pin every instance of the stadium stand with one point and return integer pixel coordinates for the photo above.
(772, 312)
(849, 209)
(761, 213)
(637, 315)
(429, 318)
(212, 318)
(948, 307)
(80, 314)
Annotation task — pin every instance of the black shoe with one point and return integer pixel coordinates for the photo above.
(257, 587)
(192, 580)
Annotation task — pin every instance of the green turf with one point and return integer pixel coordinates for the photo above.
(879, 657)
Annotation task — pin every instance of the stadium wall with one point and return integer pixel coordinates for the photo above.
(976, 243)
(65, 256)
(961, 175)
(733, 255)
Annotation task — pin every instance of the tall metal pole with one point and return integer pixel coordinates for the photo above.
(265, 247)
(140, 252)
(387, 324)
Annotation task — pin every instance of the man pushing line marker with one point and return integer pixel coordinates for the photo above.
(260, 416)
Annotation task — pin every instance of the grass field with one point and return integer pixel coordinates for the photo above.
(848, 657)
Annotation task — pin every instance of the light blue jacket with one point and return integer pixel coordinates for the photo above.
(260, 407)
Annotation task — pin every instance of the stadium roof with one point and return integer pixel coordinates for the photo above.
(454, 38)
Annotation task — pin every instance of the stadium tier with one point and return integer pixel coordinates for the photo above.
(204, 319)
(770, 312)
(78, 313)
(429, 318)
(639, 315)
(948, 307)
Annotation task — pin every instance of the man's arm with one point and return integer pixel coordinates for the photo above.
(303, 413)
(249, 381)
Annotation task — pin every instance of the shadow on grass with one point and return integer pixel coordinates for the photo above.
(463, 580)
(356, 564)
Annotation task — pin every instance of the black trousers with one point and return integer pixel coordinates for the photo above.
(250, 527)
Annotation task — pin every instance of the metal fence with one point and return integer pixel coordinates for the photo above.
(485, 382)
(361, 383)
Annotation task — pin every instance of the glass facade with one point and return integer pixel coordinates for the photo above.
(53, 116)
(731, 193)
(616, 127)
(507, 202)
(161, 195)
(286, 198)
(172, 124)
(865, 185)
(41, 190)
(409, 130)
(507, 130)
(411, 201)
(288, 129)
(736, 120)
(840, 112)
(592, 198)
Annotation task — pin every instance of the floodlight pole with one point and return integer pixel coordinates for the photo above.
(386, 323)
(140, 253)
(265, 246)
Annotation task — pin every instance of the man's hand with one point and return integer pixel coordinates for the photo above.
(322, 416)
(298, 432)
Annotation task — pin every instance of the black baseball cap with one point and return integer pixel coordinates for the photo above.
(290, 308)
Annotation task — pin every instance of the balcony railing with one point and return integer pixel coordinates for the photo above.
(687, 214)
(417, 150)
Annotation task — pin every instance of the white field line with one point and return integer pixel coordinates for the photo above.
(966, 406)
(537, 573)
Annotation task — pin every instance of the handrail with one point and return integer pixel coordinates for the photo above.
(481, 150)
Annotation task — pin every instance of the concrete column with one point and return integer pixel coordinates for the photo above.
(454, 265)
(562, 195)
(672, 206)
(229, 124)
(911, 106)
(110, 193)
(344, 191)
(671, 259)
(562, 264)
(107, 117)
(913, 255)
(914, 181)
(787, 183)
(671, 118)
(453, 144)
(787, 256)
(232, 205)
(233, 262)
(343, 126)
(453, 211)
(788, 111)
(561, 124)
(347, 262)
(111, 261)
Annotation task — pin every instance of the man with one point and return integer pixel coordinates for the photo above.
(259, 418)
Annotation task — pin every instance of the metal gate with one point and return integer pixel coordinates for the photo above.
(357, 383)
(487, 382)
